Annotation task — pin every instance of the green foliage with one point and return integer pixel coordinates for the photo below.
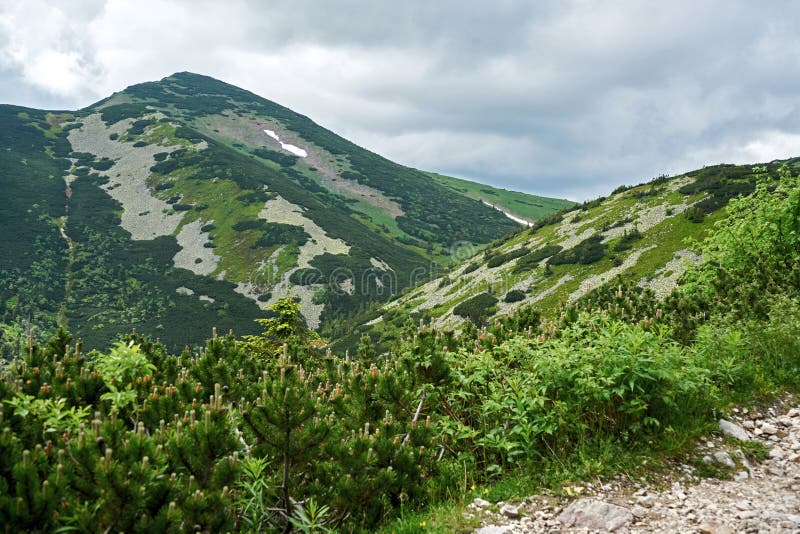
(694, 214)
(515, 400)
(123, 364)
(625, 242)
(255, 495)
(431, 211)
(524, 205)
(34, 256)
(138, 127)
(286, 327)
(476, 308)
(311, 518)
(473, 266)
(271, 234)
(587, 251)
(280, 234)
(117, 282)
(752, 257)
(118, 112)
(721, 183)
(356, 441)
(532, 260)
(284, 160)
(500, 259)
(515, 295)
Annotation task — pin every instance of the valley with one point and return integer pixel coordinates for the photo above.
(232, 191)
(218, 316)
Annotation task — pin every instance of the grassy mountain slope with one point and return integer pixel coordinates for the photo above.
(638, 234)
(273, 432)
(192, 202)
(521, 205)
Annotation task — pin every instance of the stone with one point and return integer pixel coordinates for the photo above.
(742, 505)
(775, 453)
(741, 475)
(785, 421)
(715, 528)
(733, 430)
(495, 529)
(595, 515)
(480, 503)
(639, 511)
(794, 518)
(769, 429)
(725, 459)
(510, 511)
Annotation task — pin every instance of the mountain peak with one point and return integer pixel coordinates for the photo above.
(214, 203)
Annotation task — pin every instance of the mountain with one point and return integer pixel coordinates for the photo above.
(640, 235)
(518, 205)
(179, 205)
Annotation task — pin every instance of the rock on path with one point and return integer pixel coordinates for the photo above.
(761, 497)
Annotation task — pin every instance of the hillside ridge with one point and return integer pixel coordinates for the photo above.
(202, 198)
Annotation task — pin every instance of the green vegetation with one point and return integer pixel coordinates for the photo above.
(515, 295)
(532, 260)
(284, 160)
(587, 251)
(33, 255)
(523, 205)
(496, 260)
(476, 308)
(48, 276)
(432, 212)
(234, 436)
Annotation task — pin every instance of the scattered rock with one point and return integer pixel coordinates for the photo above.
(725, 459)
(767, 428)
(593, 514)
(733, 430)
(495, 529)
(510, 511)
(639, 511)
(715, 528)
(762, 497)
(480, 503)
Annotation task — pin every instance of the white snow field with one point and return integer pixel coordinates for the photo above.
(296, 150)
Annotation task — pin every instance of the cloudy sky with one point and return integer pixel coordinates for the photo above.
(562, 98)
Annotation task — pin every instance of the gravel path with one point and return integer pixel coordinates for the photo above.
(760, 497)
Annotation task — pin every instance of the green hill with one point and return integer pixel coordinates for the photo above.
(641, 235)
(175, 206)
(521, 205)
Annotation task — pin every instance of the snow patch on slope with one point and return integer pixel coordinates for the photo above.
(507, 214)
(292, 149)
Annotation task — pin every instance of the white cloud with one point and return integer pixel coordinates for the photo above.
(46, 45)
(564, 98)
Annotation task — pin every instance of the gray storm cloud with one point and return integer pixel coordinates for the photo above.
(557, 98)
